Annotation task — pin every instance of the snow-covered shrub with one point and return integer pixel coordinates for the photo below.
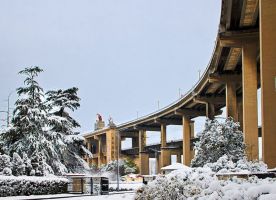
(7, 171)
(40, 166)
(25, 185)
(202, 184)
(5, 161)
(179, 184)
(18, 166)
(28, 165)
(126, 166)
(218, 139)
(32, 172)
(224, 165)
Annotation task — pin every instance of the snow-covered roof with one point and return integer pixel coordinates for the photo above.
(272, 170)
(175, 166)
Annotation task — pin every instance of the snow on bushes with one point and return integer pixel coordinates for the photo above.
(25, 185)
(202, 184)
(36, 166)
(18, 167)
(179, 184)
(126, 166)
(226, 165)
(218, 139)
(5, 162)
(220, 149)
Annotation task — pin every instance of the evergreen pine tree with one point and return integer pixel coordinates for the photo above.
(25, 133)
(43, 130)
(62, 125)
(218, 139)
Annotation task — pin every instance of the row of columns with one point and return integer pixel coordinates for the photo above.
(166, 152)
(243, 110)
(246, 111)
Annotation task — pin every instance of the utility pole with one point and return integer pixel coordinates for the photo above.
(199, 74)
(6, 118)
(118, 152)
(8, 110)
(158, 104)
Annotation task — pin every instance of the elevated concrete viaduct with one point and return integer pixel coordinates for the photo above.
(243, 60)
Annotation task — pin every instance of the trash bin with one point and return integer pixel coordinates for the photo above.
(100, 185)
(104, 185)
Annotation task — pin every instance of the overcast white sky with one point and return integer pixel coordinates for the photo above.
(123, 55)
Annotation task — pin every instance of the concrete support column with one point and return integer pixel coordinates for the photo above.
(178, 158)
(210, 110)
(165, 153)
(144, 163)
(100, 151)
(118, 146)
(142, 140)
(192, 126)
(268, 79)
(165, 157)
(157, 165)
(240, 113)
(143, 156)
(250, 113)
(186, 141)
(89, 147)
(231, 101)
(163, 135)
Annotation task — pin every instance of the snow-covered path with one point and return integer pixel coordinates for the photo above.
(124, 196)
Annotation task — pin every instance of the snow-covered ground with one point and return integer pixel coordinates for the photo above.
(125, 196)
(127, 186)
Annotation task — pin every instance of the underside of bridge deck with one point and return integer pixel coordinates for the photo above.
(243, 60)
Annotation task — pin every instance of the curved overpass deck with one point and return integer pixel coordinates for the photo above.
(239, 20)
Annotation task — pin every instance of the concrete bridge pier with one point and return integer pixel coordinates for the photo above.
(268, 79)
(210, 110)
(240, 112)
(192, 128)
(250, 113)
(249, 45)
(186, 140)
(231, 100)
(165, 158)
(143, 156)
(178, 157)
(99, 139)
